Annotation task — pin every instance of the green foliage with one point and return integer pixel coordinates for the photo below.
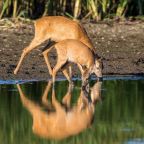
(5, 6)
(121, 8)
(95, 9)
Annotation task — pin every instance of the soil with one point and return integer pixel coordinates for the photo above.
(119, 44)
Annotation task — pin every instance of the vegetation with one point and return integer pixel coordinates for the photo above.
(95, 9)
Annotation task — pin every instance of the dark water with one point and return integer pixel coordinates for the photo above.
(116, 105)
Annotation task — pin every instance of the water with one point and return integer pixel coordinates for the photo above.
(118, 112)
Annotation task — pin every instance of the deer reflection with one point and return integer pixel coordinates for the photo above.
(65, 121)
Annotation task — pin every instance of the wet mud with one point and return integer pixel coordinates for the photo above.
(119, 44)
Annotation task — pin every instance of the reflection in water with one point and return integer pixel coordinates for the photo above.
(118, 118)
(62, 120)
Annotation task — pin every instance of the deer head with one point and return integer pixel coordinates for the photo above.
(97, 68)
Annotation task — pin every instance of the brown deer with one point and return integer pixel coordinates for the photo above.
(55, 28)
(71, 50)
(61, 123)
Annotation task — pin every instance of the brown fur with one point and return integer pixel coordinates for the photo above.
(61, 123)
(71, 50)
(55, 28)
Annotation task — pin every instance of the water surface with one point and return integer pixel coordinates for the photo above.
(118, 115)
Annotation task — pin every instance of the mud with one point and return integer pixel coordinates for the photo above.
(120, 45)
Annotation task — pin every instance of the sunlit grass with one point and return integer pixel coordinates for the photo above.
(95, 9)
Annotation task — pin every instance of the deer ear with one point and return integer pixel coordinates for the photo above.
(98, 60)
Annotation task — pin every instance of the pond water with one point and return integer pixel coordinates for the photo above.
(35, 113)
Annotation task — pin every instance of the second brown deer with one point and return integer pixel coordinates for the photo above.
(74, 51)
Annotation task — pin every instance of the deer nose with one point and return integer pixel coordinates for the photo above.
(100, 79)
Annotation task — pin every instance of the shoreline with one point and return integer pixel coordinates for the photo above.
(120, 45)
(105, 78)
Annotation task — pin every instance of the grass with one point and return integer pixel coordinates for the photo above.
(93, 9)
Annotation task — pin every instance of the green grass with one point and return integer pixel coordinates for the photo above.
(94, 9)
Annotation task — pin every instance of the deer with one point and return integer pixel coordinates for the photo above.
(65, 121)
(74, 51)
(54, 29)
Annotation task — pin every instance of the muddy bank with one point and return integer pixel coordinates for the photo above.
(121, 46)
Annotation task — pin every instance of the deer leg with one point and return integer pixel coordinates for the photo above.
(65, 72)
(59, 109)
(67, 98)
(45, 54)
(44, 97)
(85, 77)
(60, 63)
(83, 100)
(84, 72)
(35, 42)
(80, 68)
(70, 71)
